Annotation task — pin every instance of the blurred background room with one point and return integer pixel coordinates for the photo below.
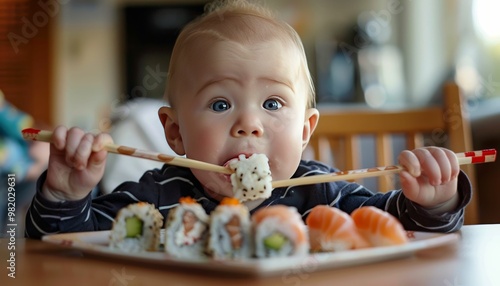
(101, 64)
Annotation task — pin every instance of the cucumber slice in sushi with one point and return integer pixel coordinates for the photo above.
(275, 241)
(133, 226)
(136, 228)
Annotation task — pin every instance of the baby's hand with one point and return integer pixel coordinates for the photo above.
(430, 176)
(76, 163)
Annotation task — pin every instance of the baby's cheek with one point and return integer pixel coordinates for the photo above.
(284, 164)
(201, 147)
(277, 125)
(214, 182)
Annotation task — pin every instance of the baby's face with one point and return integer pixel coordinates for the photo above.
(233, 100)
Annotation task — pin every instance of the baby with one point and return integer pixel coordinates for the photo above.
(238, 83)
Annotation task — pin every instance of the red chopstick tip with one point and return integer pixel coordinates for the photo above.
(489, 152)
(31, 131)
(485, 152)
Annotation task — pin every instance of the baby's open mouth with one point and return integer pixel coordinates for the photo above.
(227, 177)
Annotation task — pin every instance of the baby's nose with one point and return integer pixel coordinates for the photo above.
(256, 132)
(246, 125)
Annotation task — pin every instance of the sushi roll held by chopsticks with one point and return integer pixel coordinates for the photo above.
(137, 228)
(251, 179)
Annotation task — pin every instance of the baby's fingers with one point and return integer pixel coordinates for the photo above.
(436, 165)
(58, 138)
(410, 162)
(74, 137)
(83, 151)
(100, 141)
(430, 160)
(410, 185)
(99, 152)
(454, 165)
(91, 150)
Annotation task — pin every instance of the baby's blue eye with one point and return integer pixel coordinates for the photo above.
(272, 104)
(220, 105)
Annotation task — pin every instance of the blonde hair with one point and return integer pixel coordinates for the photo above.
(243, 22)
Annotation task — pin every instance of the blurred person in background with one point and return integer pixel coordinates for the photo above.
(22, 160)
(134, 123)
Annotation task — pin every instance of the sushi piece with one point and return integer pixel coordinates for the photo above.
(278, 232)
(186, 229)
(331, 229)
(229, 230)
(136, 228)
(379, 227)
(251, 179)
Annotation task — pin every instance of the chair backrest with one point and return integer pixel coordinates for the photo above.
(339, 134)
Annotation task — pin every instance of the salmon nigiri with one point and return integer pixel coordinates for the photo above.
(379, 227)
(331, 229)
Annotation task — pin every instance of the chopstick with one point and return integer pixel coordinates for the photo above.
(472, 157)
(44, 136)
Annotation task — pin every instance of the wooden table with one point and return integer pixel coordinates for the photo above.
(475, 260)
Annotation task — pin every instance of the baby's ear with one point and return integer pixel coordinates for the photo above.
(310, 122)
(168, 118)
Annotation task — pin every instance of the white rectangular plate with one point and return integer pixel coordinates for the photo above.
(96, 243)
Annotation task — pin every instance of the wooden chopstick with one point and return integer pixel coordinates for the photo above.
(473, 157)
(44, 136)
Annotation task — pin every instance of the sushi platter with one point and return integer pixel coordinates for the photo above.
(273, 240)
(97, 244)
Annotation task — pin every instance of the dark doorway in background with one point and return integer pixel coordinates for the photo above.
(149, 35)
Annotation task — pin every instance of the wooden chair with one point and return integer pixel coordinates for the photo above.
(336, 140)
